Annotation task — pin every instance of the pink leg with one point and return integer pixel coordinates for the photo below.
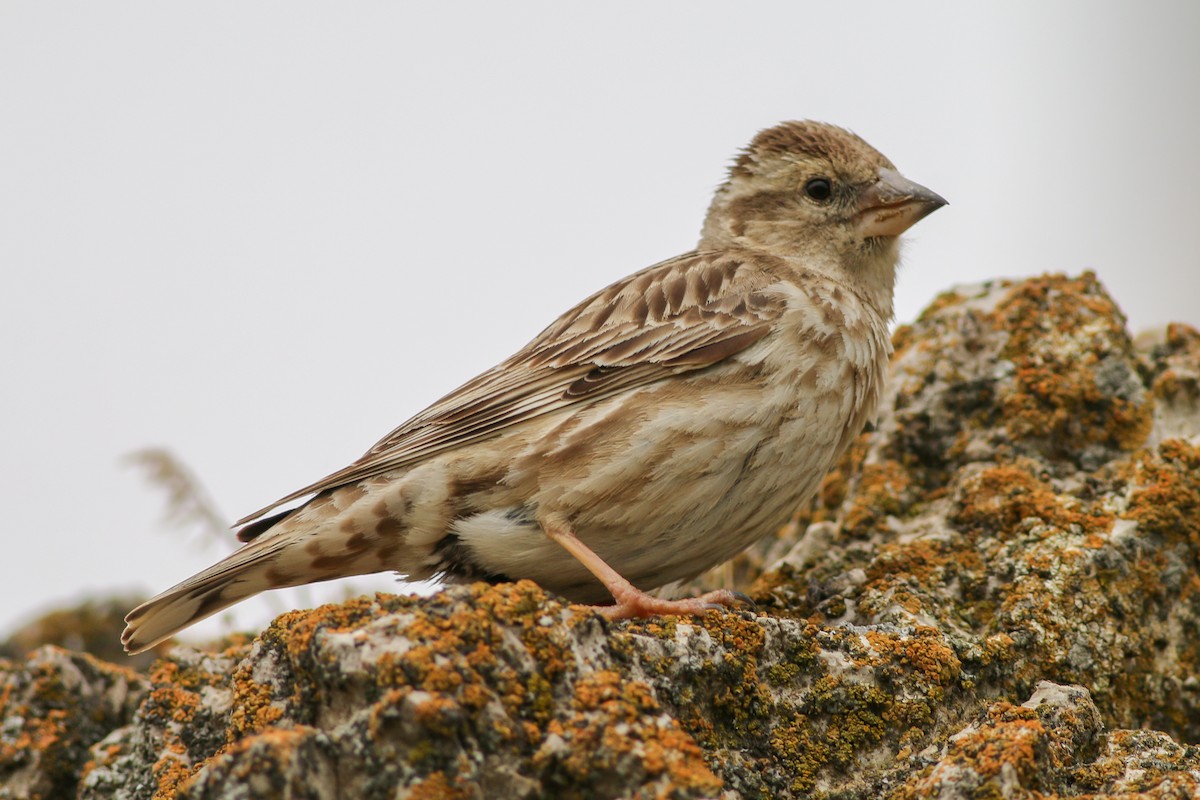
(632, 602)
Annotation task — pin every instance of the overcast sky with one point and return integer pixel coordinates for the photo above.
(263, 234)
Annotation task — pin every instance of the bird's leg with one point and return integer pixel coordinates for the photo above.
(632, 602)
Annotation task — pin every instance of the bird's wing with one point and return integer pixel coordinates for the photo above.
(683, 314)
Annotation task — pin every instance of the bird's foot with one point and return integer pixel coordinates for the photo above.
(632, 603)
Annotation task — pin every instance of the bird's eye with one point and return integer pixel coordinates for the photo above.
(819, 189)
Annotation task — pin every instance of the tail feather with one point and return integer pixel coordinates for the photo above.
(243, 574)
(340, 534)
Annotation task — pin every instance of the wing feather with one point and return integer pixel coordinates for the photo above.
(683, 314)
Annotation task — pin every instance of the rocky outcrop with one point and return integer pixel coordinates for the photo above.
(997, 594)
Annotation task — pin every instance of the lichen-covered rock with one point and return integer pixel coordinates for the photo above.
(479, 692)
(53, 708)
(1054, 743)
(185, 713)
(997, 594)
(1019, 498)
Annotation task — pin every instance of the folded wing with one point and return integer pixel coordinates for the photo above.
(684, 314)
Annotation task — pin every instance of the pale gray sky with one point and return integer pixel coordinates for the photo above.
(263, 234)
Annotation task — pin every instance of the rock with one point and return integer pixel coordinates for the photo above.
(996, 594)
(53, 708)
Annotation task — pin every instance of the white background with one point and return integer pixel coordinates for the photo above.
(263, 234)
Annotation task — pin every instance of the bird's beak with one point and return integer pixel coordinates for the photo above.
(893, 204)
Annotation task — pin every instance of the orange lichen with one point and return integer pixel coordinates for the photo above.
(169, 693)
(902, 338)
(1167, 500)
(616, 716)
(438, 786)
(925, 651)
(1007, 748)
(879, 493)
(943, 301)
(302, 625)
(1011, 738)
(1059, 331)
(996, 500)
(171, 771)
(253, 709)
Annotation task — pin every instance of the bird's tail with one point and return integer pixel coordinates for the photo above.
(245, 573)
(338, 534)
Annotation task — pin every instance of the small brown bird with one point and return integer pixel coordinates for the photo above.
(651, 432)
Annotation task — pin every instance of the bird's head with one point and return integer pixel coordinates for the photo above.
(818, 193)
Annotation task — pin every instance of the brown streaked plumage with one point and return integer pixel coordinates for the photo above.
(652, 431)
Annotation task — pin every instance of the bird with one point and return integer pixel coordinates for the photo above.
(651, 432)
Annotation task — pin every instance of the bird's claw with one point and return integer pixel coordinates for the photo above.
(732, 601)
